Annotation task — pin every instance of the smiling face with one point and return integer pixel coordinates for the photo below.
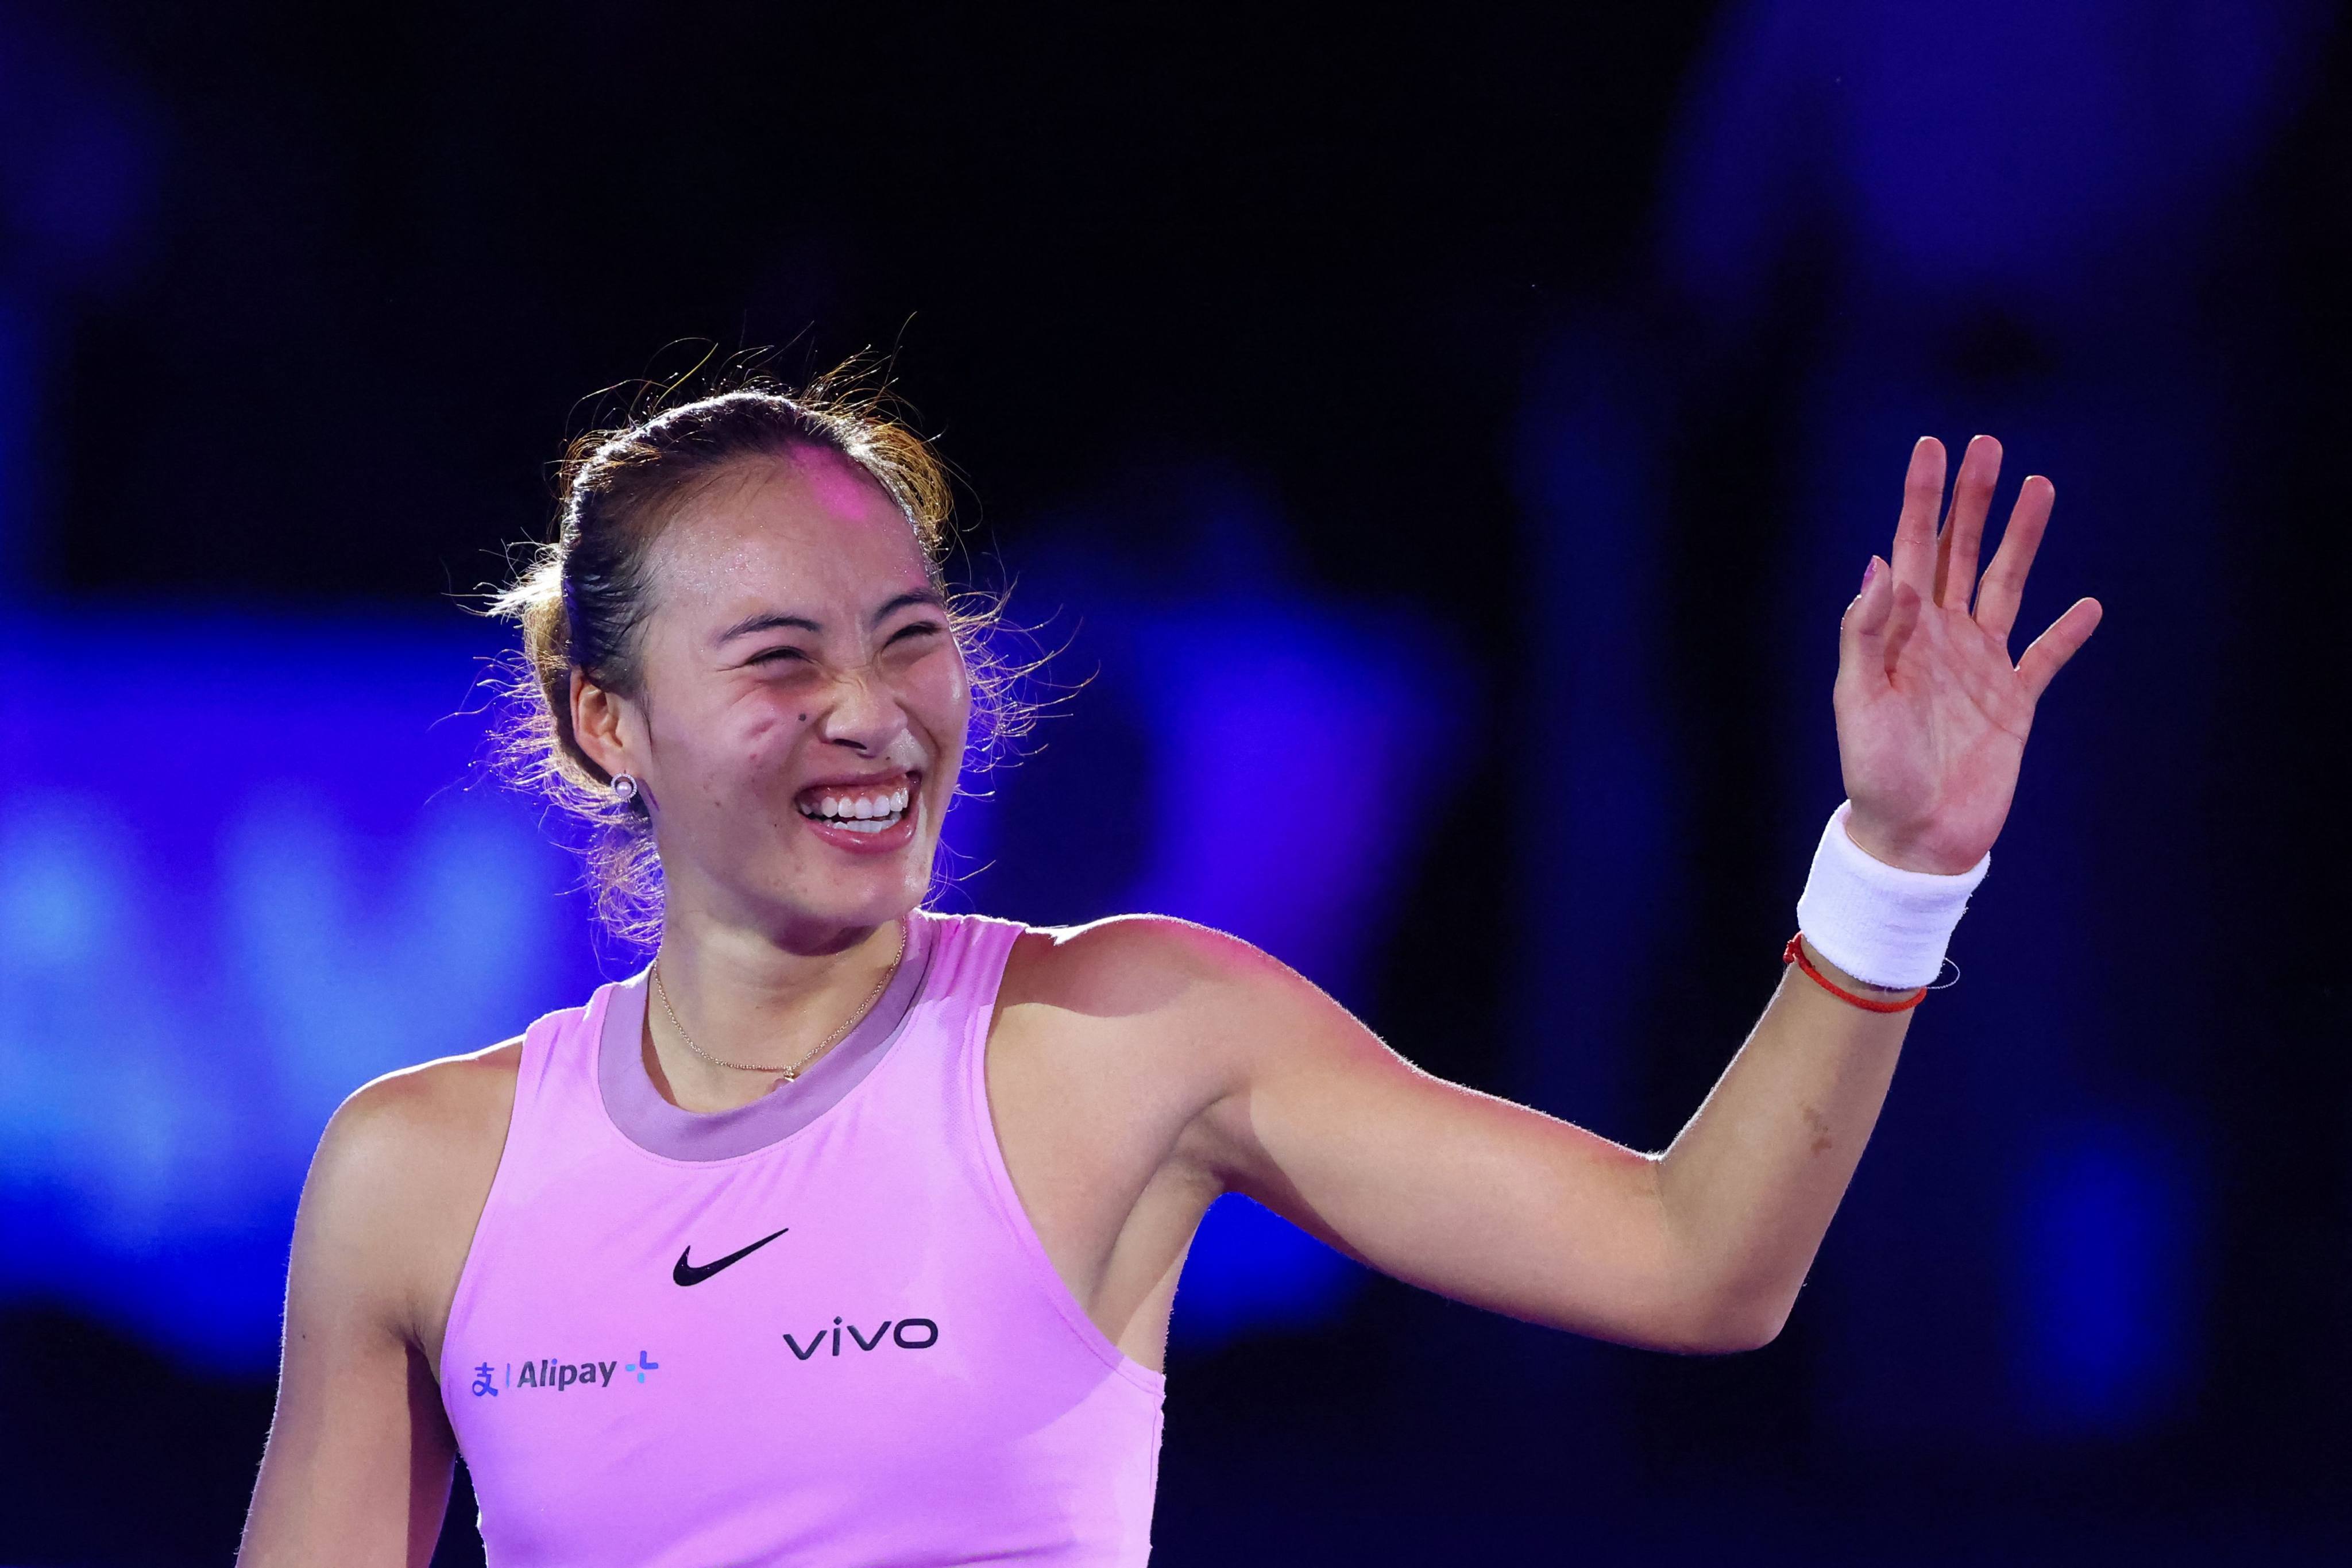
(802, 703)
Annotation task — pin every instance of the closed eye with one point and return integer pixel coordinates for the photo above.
(772, 655)
(918, 628)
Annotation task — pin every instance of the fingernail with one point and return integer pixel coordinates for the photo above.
(1868, 573)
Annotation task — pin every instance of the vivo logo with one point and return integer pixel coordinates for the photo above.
(908, 1334)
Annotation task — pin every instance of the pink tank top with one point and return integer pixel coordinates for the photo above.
(815, 1329)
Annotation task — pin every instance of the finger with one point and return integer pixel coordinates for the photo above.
(2004, 580)
(1914, 556)
(1901, 621)
(1862, 635)
(2053, 648)
(1963, 531)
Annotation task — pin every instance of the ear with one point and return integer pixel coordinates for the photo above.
(598, 726)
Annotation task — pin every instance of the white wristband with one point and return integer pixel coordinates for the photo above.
(1883, 925)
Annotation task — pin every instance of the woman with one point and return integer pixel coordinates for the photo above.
(847, 1233)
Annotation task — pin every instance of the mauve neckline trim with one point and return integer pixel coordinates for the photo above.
(638, 1109)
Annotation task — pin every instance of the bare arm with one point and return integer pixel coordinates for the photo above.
(358, 1466)
(1704, 1247)
(1493, 1203)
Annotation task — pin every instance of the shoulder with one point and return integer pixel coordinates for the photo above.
(1138, 967)
(1110, 1042)
(420, 1114)
(1212, 1006)
(1145, 1025)
(400, 1175)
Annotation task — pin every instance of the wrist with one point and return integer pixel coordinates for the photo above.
(1912, 853)
(1838, 976)
(1855, 993)
(1880, 924)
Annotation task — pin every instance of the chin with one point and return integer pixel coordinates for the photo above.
(832, 895)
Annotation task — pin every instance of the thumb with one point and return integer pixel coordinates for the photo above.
(1862, 635)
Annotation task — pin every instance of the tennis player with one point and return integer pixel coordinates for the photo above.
(846, 1232)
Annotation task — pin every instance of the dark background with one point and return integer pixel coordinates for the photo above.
(1424, 278)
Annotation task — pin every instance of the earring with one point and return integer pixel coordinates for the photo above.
(625, 786)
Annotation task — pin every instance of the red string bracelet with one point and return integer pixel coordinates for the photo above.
(1795, 953)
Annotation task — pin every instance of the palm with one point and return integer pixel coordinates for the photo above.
(1931, 715)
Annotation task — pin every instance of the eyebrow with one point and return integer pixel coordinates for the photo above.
(918, 597)
(768, 621)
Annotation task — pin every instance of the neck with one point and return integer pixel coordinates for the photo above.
(742, 997)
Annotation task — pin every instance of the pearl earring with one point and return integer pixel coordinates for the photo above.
(625, 786)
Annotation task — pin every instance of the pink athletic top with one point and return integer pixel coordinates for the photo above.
(816, 1329)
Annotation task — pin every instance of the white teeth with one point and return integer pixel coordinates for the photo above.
(860, 813)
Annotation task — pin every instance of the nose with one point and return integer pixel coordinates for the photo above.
(863, 716)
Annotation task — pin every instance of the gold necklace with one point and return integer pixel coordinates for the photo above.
(794, 1071)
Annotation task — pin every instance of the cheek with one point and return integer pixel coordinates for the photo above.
(734, 744)
(938, 694)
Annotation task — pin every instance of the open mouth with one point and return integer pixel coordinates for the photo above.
(858, 809)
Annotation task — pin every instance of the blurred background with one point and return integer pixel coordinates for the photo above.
(1471, 420)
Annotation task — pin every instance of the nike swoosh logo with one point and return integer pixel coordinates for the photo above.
(696, 1273)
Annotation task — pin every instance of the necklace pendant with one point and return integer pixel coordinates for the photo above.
(791, 1075)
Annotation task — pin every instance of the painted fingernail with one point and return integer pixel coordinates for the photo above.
(1868, 574)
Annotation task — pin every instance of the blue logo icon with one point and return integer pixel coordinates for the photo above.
(485, 1381)
(641, 1365)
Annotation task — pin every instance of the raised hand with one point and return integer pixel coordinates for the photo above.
(1931, 715)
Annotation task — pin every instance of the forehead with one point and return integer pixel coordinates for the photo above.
(813, 526)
